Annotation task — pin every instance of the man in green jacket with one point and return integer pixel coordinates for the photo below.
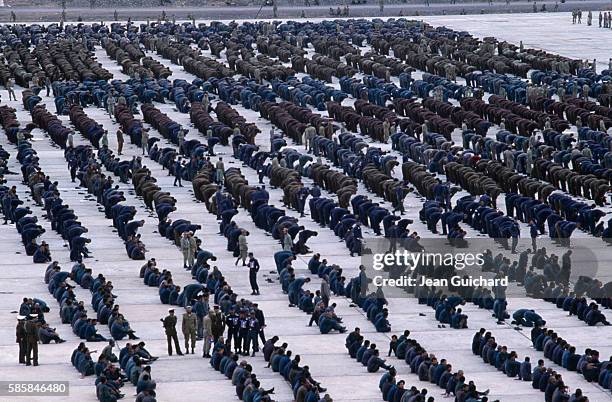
(31, 329)
(189, 326)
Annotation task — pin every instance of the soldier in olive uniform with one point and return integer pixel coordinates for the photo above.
(189, 326)
(31, 331)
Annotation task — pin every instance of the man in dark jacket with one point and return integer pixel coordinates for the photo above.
(218, 323)
(170, 327)
(21, 338)
(253, 269)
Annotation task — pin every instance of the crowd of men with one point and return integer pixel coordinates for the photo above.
(519, 158)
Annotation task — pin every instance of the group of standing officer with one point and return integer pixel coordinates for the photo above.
(27, 338)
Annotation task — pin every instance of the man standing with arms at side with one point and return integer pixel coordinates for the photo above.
(193, 249)
(9, 85)
(207, 334)
(232, 330)
(189, 326)
(21, 338)
(220, 172)
(144, 140)
(31, 330)
(253, 270)
(287, 241)
(185, 249)
(533, 232)
(201, 311)
(259, 314)
(181, 139)
(170, 327)
(178, 172)
(119, 142)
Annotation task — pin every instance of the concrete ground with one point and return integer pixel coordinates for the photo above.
(191, 377)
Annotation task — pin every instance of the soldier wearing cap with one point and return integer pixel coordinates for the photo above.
(170, 328)
(31, 332)
(189, 326)
(21, 338)
(217, 323)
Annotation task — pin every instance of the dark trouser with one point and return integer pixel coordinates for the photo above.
(188, 336)
(22, 351)
(96, 338)
(48, 339)
(253, 281)
(253, 338)
(32, 352)
(232, 333)
(200, 329)
(533, 244)
(170, 338)
(119, 147)
(262, 336)
(177, 178)
(244, 341)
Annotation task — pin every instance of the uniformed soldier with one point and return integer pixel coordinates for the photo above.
(287, 241)
(254, 328)
(9, 85)
(144, 140)
(425, 128)
(110, 105)
(119, 141)
(21, 338)
(386, 130)
(189, 326)
(561, 93)
(170, 328)
(31, 332)
(232, 330)
(181, 138)
(243, 334)
(205, 102)
(186, 250)
(242, 247)
(253, 269)
(220, 171)
(309, 133)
